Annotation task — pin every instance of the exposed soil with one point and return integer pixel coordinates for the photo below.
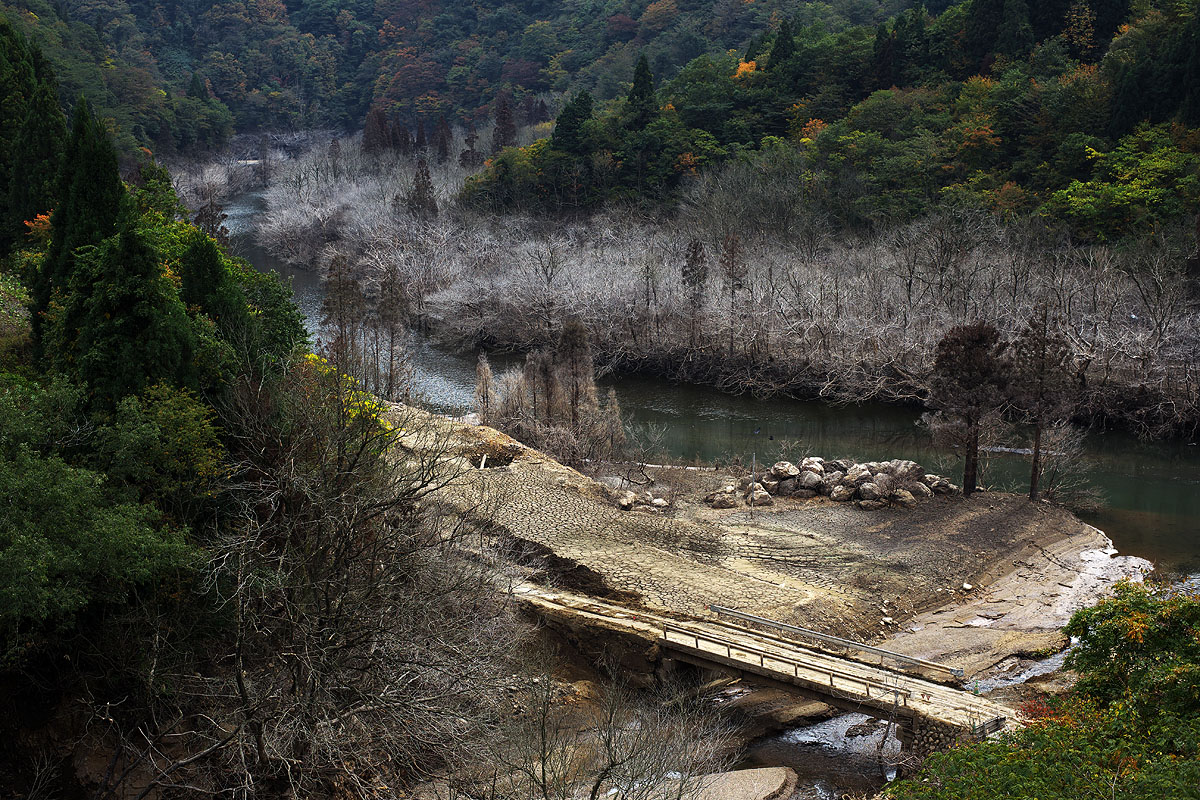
(890, 573)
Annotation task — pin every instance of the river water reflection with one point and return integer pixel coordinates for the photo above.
(1152, 489)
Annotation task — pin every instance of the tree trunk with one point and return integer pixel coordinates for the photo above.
(1035, 475)
(971, 467)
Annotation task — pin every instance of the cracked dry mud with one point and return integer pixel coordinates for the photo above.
(814, 563)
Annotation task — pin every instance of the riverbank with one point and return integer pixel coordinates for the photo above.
(970, 582)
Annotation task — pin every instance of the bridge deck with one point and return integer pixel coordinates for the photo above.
(753, 652)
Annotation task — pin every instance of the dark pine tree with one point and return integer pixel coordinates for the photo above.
(984, 18)
(206, 285)
(570, 129)
(970, 382)
(197, 88)
(1015, 38)
(420, 143)
(376, 135)
(422, 200)
(37, 158)
(122, 327)
(401, 140)
(91, 199)
(442, 136)
(784, 47)
(640, 104)
(18, 83)
(505, 133)
(883, 59)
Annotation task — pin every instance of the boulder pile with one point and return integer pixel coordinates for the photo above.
(871, 485)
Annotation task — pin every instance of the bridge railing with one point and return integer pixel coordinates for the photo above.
(766, 661)
(828, 638)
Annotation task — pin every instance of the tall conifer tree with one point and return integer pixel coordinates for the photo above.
(91, 198)
(37, 157)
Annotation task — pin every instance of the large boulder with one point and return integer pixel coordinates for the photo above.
(760, 497)
(804, 494)
(919, 490)
(787, 487)
(723, 500)
(904, 498)
(871, 505)
(834, 478)
(770, 484)
(813, 464)
(811, 481)
(885, 482)
(906, 471)
(785, 469)
(857, 475)
(869, 491)
(841, 494)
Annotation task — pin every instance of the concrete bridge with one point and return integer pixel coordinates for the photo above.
(929, 715)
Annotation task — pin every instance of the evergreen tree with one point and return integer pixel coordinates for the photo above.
(505, 133)
(970, 382)
(984, 18)
(420, 143)
(18, 85)
(197, 87)
(206, 284)
(570, 129)
(91, 198)
(884, 57)
(376, 136)
(640, 104)
(784, 47)
(401, 142)
(122, 327)
(37, 159)
(422, 200)
(442, 136)
(1015, 37)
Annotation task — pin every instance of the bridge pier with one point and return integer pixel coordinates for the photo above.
(920, 737)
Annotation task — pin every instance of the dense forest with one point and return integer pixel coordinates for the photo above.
(177, 75)
(1064, 121)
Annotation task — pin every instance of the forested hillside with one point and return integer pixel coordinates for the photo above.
(1065, 111)
(181, 74)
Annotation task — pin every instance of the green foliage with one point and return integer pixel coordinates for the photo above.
(1130, 729)
(1029, 134)
(64, 546)
(122, 327)
(66, 541)
(1140, 648)
(1142, 182)
(163, 447)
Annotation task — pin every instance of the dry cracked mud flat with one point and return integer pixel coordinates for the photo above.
(895, 574)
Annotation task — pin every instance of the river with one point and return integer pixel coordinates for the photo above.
(1151, 489)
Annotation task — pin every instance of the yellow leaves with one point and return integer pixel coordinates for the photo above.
(1136, 626)
(745, 68)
